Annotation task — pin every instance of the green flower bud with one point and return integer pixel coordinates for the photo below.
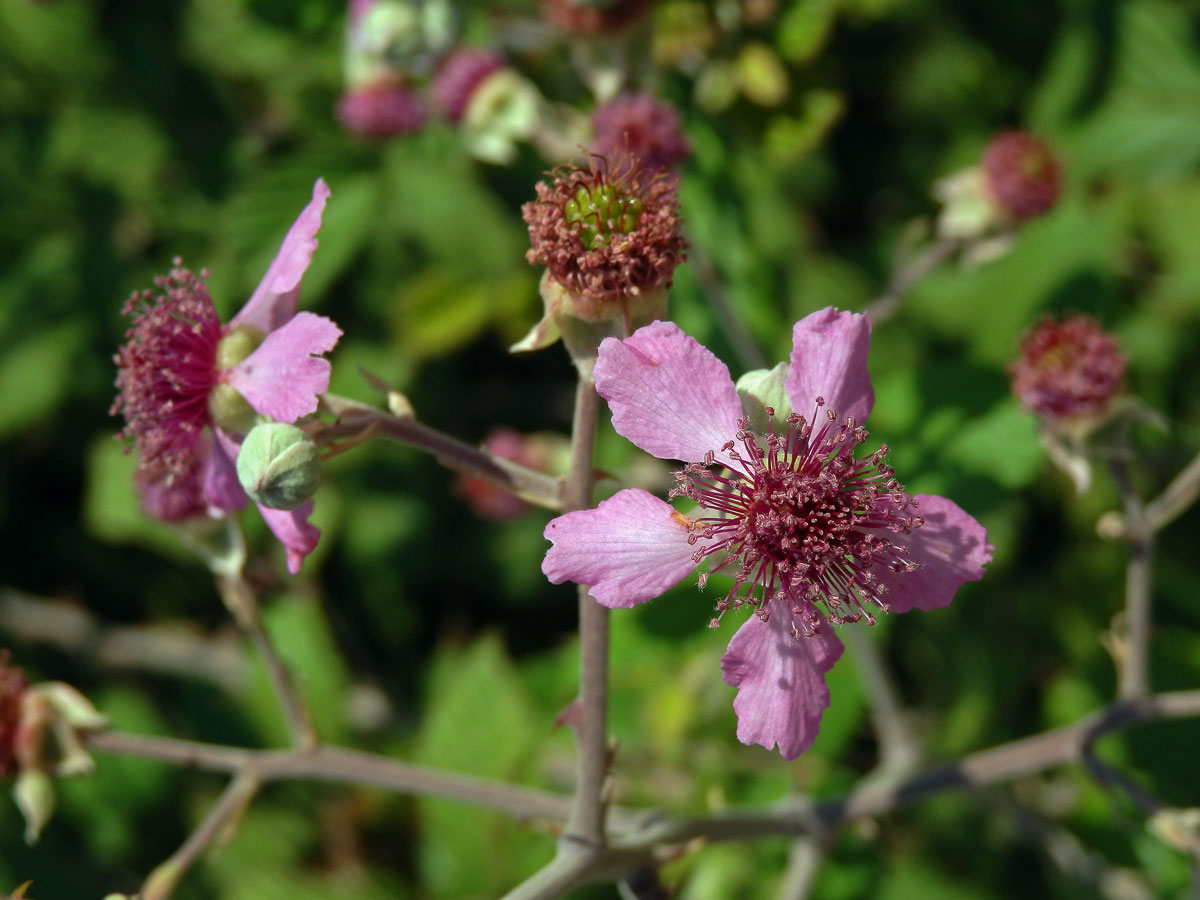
(279, 465)
(761, 390)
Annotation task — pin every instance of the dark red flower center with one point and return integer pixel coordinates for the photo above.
(167, 368)
(805, 523)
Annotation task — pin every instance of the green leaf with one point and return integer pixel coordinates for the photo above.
(36, 375)
(480, 721)
(1001, 445)
(300, 632)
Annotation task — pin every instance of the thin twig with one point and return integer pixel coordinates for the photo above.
(1176, 498)
(907, 275)
(1133, 657)
(337, 764)
(899, 749)
(804, 864)
(1021, 757)
(354, 418)
(163, 649)
(241, 790)
(239, 598)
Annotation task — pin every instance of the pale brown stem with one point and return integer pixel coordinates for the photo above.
(336, 764)
(907, 275)
(1133, 658)
(162, 881)
(240, 599)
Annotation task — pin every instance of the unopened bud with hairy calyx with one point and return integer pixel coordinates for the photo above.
(279, 465)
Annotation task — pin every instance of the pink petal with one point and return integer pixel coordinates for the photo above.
(668, 394)
(222, 490)
(291, 526)
(780, 681)
(829, 360)
(283, 377)
(274, 300)
(629, 549)
(952, 546)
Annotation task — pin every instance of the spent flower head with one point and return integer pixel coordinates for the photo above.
(1022, 174)
(190, 388)
(609, 237)
(1068, 368)
(812, 535)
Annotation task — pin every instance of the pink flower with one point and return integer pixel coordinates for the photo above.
(458, 76)
(189, 388)
(381, 109)
(638, 130)
(811, 535)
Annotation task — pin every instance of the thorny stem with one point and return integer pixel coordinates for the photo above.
(586, 822)
(225, 812)
(1133, 654)
(908, 274)
(239, 598)
(354, 418)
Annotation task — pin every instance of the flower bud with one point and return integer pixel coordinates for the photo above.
(279, 465)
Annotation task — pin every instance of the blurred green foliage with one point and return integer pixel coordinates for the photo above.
(139, 130)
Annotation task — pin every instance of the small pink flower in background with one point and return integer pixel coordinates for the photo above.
(584, 17)
(639, 128)
(489, 500)
(380, 109)
(1022, 174)
(1069, 368)
(458, 75)
(12, 691)
(189, 387)
(811, 535)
